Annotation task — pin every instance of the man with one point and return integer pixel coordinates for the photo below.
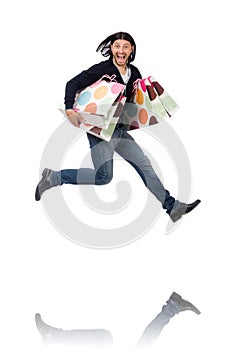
(121, 49)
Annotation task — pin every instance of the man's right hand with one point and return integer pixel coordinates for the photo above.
(74, 118)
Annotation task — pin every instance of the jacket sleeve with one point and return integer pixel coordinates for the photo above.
(80, 82)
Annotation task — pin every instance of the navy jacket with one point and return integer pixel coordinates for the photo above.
(94, 73)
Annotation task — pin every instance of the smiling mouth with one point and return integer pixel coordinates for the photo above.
(121, 57)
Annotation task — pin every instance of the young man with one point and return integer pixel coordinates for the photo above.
(121, 49)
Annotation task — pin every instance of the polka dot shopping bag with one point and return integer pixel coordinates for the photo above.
(101, 105)
(96, 101)
(106, 133)
(150, 104)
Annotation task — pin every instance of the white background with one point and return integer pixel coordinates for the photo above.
(187, 46)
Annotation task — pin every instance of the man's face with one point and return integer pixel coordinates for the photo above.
(121, 50)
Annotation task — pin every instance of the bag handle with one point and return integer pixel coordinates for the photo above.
(111, 78)
(142, 83)
(149, 79)
(135, 85)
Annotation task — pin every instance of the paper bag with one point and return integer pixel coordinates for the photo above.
(150, 104)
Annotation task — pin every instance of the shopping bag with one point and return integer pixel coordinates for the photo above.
(96, 103)
(150, 104)
(162, 98)
(106, 133)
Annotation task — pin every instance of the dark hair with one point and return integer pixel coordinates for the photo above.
(105, 48)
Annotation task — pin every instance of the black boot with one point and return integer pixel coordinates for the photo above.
(179, 209)
(50, 178)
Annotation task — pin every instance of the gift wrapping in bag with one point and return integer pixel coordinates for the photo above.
(150, 104)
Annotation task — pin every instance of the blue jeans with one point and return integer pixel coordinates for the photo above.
(102, 157)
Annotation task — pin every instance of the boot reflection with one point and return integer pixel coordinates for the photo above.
(174, 305)
(99, 338)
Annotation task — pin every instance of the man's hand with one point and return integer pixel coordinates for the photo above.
(74, 118)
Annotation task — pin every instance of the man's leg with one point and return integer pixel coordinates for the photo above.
(102, 157)
(173, 306)
(132, 152)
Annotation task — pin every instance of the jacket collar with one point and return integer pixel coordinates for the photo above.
(118, 74)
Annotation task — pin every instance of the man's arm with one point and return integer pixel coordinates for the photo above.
(78, 83)
(81, 81)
